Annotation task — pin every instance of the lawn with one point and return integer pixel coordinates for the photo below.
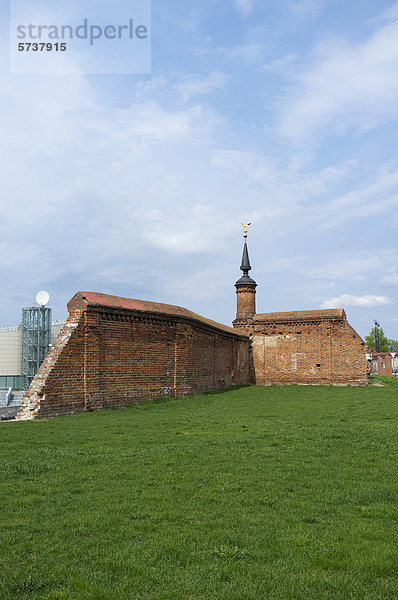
(250, 494)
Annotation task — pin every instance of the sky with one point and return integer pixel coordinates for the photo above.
(282, 113)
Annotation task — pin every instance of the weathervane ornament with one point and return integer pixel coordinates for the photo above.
(245, 228)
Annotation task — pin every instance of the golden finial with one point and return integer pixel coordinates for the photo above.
(245, 228)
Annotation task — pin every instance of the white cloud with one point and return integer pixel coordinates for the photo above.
(190, 21)
(375, 197)
(389, 14)
(185, 230)
(348, 85)
(143, 191)
(251, 54)
(346, 300)
(320, 181)
(280, 65)
(193, 86)
(304, 8)
(390, 280)
(76, 171)
(244, 7)
(349, 267)
(149, 121)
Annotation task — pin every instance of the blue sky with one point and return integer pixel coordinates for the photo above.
(280, 112)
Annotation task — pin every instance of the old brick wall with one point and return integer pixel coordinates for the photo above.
(385, 363)
(64, 364)
(114, 356)
(317, 352)
(309, 347)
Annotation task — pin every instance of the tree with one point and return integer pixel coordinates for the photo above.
(393, 345)
(377, 335)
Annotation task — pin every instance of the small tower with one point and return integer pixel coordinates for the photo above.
(245, 288)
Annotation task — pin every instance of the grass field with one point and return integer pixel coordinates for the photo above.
(251, 494)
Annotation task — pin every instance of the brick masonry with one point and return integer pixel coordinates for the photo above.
(246, 301)
(116, 351)
(385, 363)
(305, 347)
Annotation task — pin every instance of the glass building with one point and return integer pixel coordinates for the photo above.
(36, 339)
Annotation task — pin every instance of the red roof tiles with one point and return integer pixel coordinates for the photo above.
(302, 315)
(82, 299)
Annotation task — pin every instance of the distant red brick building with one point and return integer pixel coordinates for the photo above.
(385, 363)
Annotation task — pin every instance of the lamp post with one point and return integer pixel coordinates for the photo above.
(377, 336)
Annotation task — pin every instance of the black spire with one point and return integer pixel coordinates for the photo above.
(245, 267)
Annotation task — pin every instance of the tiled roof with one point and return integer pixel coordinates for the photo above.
(82, 299)
(302, 315)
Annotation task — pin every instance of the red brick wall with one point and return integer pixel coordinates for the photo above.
(246, 301)
(320, 351)
(113, 357)
(64, 363)
(387, 363)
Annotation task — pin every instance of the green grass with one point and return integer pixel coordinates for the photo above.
(384, 379)
(251, 494)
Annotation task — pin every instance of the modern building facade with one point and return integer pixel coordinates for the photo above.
(10, 357)
(23, 348)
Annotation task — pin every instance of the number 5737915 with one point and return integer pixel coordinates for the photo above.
(41, 47)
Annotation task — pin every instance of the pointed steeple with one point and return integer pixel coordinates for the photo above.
(245, 265)
(245, 288)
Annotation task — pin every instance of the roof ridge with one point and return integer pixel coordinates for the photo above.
(292, 314)
(121, 302)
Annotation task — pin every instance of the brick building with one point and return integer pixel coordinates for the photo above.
(115, 351)
(385, 363)
(312, 346)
